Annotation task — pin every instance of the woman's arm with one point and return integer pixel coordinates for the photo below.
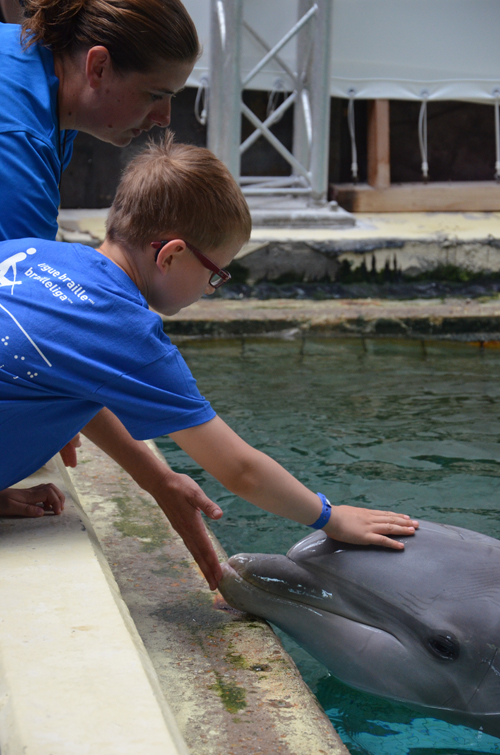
(262, 481)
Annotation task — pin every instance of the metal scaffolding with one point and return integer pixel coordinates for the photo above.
(305, 189)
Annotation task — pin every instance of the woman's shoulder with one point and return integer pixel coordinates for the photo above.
(28, 84)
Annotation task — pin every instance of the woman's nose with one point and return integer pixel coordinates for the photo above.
(160, 116)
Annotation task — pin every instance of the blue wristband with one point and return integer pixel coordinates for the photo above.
(325, 513)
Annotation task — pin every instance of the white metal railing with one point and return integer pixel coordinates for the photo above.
(310, 98)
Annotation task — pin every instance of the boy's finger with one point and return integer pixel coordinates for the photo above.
(386, 542)
(387, 528)
(394, 519)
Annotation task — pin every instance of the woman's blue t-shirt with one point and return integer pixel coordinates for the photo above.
(76, 335)
(31, 145)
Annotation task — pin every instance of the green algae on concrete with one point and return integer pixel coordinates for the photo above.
(142, 524)
(232, 696)
(227, 679)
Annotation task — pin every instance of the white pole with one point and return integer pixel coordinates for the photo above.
(320, 100)
(224, 115)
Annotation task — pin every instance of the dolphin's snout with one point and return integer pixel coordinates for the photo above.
(240, 561)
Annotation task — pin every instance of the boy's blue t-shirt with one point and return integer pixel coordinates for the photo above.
(76, 334)
(31, 145)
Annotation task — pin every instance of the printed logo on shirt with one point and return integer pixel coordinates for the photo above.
(57, 283)
(11, 262)
(5, 268)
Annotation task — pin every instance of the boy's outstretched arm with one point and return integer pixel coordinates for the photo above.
(262, 481)
(180, 498)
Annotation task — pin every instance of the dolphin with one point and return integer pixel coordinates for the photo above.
(420, 626)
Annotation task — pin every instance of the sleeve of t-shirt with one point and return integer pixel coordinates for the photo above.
(157, 399)
(30, 193)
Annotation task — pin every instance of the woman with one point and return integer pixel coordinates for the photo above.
(108, 68)
(11, 11)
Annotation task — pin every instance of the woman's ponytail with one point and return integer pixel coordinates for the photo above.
(136, 33)
(51, 23)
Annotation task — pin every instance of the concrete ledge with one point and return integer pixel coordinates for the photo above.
(226, 677)
(75, 678)
(416, 241)
(448, 319)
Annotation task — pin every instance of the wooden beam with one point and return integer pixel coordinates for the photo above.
(456, 196)
(379, 155)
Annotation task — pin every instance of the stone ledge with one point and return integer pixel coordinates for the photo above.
(226, 677)
(74, 675)
(455, 319)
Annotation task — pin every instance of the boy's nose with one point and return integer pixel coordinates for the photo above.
(209, 290)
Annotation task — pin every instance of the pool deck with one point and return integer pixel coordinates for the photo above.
(418, 240)
(117, 644)
(75, 678)
(415, 240)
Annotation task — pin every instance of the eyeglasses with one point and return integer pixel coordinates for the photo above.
(218, 276)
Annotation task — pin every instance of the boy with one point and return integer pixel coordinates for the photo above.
(77, 335)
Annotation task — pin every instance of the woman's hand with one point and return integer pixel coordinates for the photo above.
(68, 453)
(31, 502)
(350, 524)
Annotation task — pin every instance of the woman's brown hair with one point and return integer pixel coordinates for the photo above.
(136, 33)
(178, 189)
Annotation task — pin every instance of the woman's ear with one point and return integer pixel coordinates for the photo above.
(97, 62)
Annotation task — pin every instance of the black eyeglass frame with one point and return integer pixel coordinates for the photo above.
(223, 275)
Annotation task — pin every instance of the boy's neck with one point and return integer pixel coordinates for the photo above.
(124, 260)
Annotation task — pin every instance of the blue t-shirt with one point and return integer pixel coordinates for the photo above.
(76, 334)
(31, 145)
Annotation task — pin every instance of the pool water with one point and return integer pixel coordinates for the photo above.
(407, 426)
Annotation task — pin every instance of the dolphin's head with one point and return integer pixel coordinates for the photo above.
(420, 625)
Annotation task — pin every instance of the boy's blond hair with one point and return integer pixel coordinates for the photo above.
(178, 189)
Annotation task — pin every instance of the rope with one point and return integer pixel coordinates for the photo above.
(352, 133)
(422, 135)
(496, 95)
(201, 102)
(272, 102)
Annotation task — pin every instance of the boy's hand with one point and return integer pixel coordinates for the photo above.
(23, 502)
(350, 524)
(181, 500)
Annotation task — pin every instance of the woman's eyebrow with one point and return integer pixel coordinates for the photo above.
(166, 91)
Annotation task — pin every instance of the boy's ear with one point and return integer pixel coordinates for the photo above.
(168, 253)
(97, 63)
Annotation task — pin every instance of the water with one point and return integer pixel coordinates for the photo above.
(384, 424)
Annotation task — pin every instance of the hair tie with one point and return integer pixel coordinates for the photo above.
(324, 517)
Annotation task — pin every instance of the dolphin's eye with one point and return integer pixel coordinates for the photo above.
(444, 645)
